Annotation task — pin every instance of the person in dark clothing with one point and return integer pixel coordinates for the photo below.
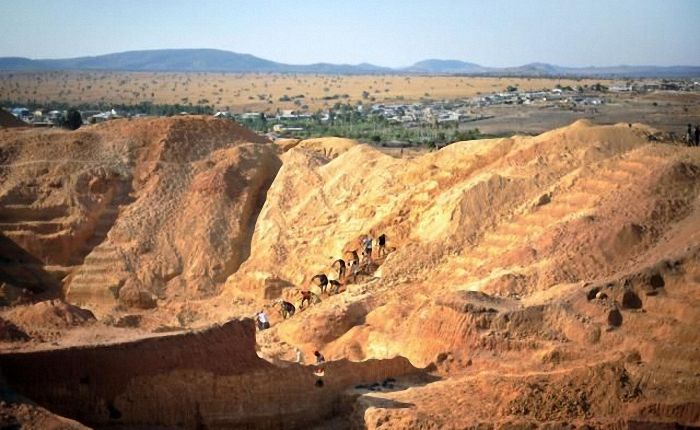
(320, 359)
(335, 286)
(697, 135)
(381, 244)
(341, 267)
(287, 309)
(321, 280)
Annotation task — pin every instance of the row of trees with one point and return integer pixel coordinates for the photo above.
(373, 129)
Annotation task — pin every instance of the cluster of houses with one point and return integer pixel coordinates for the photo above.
(440, 112)
(445, 111)
(424, 112)
(554, 96)
(655, 85)
(51, 118)
(39, 117)
(469, 109)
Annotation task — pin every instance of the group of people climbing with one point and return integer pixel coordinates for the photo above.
(331, 286)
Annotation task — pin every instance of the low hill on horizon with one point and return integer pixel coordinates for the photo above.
(180, 60)
(215, 60)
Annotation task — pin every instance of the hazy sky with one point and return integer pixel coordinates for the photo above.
(387, 33)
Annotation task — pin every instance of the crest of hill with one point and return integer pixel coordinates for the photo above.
(182, 60)
(330, 147)
(445, 66)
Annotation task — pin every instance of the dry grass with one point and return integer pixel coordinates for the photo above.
(250, 92)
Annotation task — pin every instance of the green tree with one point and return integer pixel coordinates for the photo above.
(73, 120)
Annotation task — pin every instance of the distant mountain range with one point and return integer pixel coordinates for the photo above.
(213, 60)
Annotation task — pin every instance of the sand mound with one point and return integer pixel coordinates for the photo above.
(47, 319)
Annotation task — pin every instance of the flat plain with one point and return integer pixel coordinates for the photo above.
(254, 92)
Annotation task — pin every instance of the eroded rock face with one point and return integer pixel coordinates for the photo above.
(471, 209)
(167, 205)
(468, 217)
(227, 384)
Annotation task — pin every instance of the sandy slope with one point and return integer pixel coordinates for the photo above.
(534, 223)
(554, 278)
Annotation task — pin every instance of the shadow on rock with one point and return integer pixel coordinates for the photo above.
(382, 403)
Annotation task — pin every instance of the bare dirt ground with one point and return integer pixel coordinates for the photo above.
(533, 282)
(252, 92)
(668, 111)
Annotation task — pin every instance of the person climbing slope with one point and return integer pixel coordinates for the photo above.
(308, 297)
(354, 264)
(263, 321)
(367, 249)
(353, 256)
(335, 286)
(305, 297)
(287, 309)
(381, 245)
(341, 268)
(319, 370)
(320, 280)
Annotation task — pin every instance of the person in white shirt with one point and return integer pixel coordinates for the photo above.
(263, 322)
